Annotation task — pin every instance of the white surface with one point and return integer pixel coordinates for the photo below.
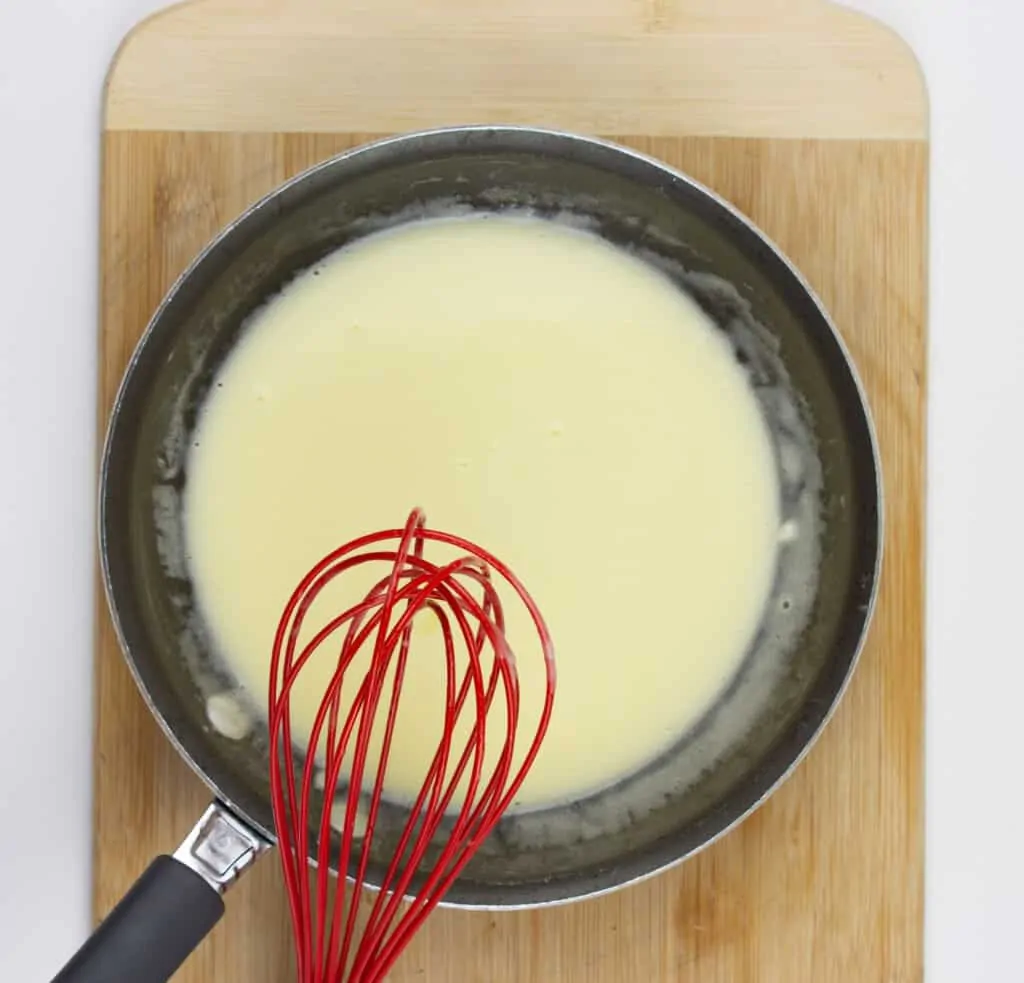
(53, 54)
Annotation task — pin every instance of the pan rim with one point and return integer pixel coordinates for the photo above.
(602, 153)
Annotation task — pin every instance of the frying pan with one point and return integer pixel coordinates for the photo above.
(717, 773)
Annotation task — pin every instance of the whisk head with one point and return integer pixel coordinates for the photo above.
(473, 775)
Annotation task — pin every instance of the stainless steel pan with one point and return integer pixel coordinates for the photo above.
(794, 673)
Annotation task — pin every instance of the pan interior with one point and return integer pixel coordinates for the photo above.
(824, 583)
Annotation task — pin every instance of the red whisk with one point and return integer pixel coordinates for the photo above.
(462, 598)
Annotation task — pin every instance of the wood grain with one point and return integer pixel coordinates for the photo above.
(825, 882)
(773, 68)
(212, 104)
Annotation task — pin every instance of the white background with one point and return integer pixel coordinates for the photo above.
(53, 55)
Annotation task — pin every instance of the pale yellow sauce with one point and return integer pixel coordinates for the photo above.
(537, 391)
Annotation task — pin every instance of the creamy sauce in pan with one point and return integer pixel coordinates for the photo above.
(540, 392)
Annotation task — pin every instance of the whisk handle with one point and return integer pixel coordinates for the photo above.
(168, 911)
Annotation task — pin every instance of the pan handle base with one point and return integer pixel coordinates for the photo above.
(220, 848)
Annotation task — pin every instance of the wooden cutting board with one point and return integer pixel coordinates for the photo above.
(813, 120)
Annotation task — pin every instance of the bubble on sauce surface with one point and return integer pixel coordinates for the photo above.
(228, 717)
(789, 531)
(791, 461)
(338, 810)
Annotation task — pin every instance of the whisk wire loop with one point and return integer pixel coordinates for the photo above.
(436, 839)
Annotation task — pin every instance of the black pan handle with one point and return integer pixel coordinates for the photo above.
(166, 914)
(171, 908)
